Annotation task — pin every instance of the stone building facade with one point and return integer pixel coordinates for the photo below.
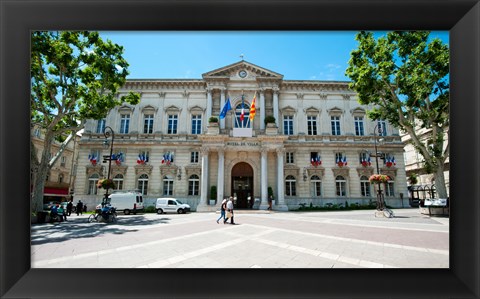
(168, 147)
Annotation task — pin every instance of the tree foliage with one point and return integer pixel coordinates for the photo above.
(404, 75)
(75, 76)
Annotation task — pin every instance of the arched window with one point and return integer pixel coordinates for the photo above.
(365, 186)
(193, 185)
(316, 185)
(167, 185)
(246, 115)
(92, 184)
(290, 188)
(143, 184)
(118, 180)
(341, 186)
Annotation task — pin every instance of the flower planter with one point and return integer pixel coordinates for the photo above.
(379, 178)
(106, 184)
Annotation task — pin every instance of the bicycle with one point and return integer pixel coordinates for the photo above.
(388, 213)
(99, 217)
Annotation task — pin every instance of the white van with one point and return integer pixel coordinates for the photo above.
(128, 202)
(165, 205)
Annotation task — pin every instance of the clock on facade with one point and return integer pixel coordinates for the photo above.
(242, 74)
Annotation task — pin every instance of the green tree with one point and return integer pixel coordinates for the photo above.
(74, 76)
(404, 75)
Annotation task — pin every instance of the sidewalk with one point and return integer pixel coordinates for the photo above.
(349, 239)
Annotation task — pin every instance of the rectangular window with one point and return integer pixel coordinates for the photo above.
(62, 161)
(335, 125)
(341, 188)
(172, 124)
(311, 125)
(196, 124)
(289, 158)
(389, 189)
(36, 132)
(148, 124)
(143, 157)
(168, 187)
(124, 123)
(101, 125)
(288, 125)
(290, 188)
(359, 126)
(363, 157)
(193, 187)
(382, 128)
(316, 188)
(338, 157)
(365, 188)
(194, 157)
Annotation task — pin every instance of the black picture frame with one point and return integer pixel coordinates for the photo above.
(18, 18)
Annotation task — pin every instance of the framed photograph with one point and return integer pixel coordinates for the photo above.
(19, 18)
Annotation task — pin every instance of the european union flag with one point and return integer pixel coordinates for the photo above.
(225, 109)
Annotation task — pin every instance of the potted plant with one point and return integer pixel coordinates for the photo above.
(213, 195)
(413, 179)
(213, 120)
(269, 121)
(106, 184)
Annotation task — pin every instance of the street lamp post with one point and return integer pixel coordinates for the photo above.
(108, 133)
(380, 199)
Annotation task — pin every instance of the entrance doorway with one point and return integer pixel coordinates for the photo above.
(242, 185)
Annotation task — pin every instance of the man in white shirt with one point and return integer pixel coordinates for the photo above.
(229, 209)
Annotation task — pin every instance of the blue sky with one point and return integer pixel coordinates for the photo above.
(298, 55)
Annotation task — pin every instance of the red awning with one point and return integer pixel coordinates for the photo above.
(55, 191)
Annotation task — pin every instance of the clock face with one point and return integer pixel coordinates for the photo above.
(242, 74)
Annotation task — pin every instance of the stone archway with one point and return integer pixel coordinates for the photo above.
(242, 185)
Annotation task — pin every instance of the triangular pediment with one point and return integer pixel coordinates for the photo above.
(233, 71)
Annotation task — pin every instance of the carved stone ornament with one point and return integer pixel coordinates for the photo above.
(168, 169)
(319, 171)
(94, 169)
(143, 169)
(344, 171)
(119, 169)
(365, 171)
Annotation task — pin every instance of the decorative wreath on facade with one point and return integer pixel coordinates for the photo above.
(379, 178)
(106, 184)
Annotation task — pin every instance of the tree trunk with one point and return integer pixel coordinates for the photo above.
(41, 174)
(440, 186)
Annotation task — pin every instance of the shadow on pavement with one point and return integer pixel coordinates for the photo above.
(75, 228)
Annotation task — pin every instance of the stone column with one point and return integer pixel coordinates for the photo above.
(263, 180)
(209, 105)
(275, 107)
(222, 103)
(262, 109)
(281, 181)
(221, 176)
(202, 205)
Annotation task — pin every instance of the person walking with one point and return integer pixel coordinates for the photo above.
(229, 211)
(270, 199)
(79, 207)
(223, 207)
(61, 213)
(69, 208)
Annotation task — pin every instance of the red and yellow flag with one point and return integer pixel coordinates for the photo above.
(252, 107)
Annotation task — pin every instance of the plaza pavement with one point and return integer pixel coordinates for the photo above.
(261, 239)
